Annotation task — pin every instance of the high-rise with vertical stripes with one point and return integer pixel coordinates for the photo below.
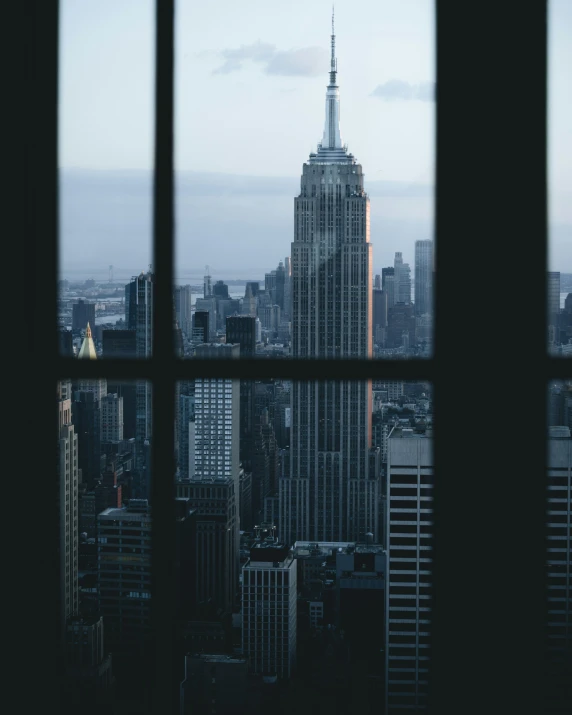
(332, 491)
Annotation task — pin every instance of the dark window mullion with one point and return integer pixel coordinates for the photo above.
(490, 399)
(39, 35)
(258, 369)
(162, 359)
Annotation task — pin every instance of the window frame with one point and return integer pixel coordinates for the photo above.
(489, 162)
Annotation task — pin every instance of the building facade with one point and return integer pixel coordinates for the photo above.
(215, 503)
(217, 419)
(139, 316)
(330, 494)
(124, 577)
(111, 418)
(409, 592)
(68, 505)
(559, 518)
(269, 619)
(423, 277)
(553, 297)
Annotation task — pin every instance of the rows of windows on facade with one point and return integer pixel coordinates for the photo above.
(303, 556)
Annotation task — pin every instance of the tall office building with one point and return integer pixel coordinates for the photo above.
(402, 281)
(217, 418)
(388, 284)
(330, 494)
(269, 605)
(216, 564)
(249, 302)
(186, 427)
(86, 415)
(423, 277)
(214, 684)
(119, 344)
(124, 578)
(82, 314)
(183, 302)
(111, 407)
(208, 305)
(65, 339)
(559, 518)
(241, 330)
(379, 309)
(409, 589)
(68, 506)
(274, 284)
(122, 344)
(88, 666)
(287, 289)
(553, 297)
(201, 329)
(139, 307)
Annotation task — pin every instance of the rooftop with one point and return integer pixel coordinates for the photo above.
(325, 548)
(116, 514)
(408, 433)
(215, 658)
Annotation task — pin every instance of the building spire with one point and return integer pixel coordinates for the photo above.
(87, 350)
(332, 138)
(333, 61)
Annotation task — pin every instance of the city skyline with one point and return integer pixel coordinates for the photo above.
(106, 193)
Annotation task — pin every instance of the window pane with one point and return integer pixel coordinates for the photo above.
(105, 546)
(326, 247)
(560, 178)
(335, 475)
(105, 160)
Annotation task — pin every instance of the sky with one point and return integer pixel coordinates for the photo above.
(250, 81)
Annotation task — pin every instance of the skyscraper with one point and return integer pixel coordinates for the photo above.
(330, 494)
(287, 288)
(82, 313)
(217, 418)
(423, 277)
(140, 319)
(402, 272)
(409, 590)
(241, 329)
(124, 578)
(388, 283)
(559, 517)
(269, 615)
(553, 297)
(68, 506)
(183, 302)
(111, 407)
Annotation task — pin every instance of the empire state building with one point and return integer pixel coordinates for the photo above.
(333, 490)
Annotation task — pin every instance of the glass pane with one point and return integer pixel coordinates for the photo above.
(324, 248)
(305, 519)
(559, 178)
(105, 548)
(559, 522)
(105, 162)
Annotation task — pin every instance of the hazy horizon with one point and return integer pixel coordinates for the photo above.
(249, 108)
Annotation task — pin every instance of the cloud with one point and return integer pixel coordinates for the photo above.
(396, 89)
(233, 59)
(304, 62)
